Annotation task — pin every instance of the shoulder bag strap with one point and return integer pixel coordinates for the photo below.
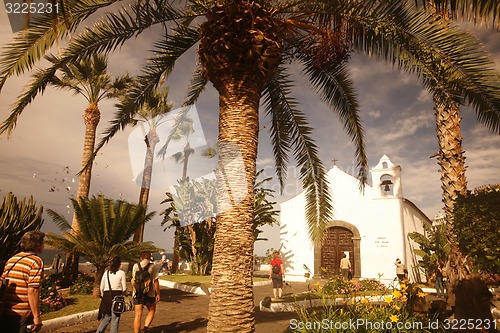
(6, 274)
(109, 283)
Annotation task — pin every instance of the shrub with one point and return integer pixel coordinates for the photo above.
(83, 285)
(336, 285)
(50, 298)
(393, 311)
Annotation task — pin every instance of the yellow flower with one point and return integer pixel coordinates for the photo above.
(364, 300)
(421, 294)
(397, 308)
(396, 294)
(394, 318)
(388, 299)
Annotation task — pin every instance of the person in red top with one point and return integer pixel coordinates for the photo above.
(276, 273)
(22, 299)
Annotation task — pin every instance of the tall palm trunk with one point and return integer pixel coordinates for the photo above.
(176, 258)
(91, 117)
(453, 181)
(239, 51)
(151, 140)
(231, 302)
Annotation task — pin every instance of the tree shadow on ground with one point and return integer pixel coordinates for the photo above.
(177, 326)
(176, 296)
(263, 317)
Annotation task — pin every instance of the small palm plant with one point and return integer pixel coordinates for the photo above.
(106, 226)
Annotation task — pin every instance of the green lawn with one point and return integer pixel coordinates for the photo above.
(195, 280)
(76, 304)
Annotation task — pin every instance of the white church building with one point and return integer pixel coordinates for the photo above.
(371, 228)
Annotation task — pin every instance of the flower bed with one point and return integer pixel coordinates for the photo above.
(366, 306)
(54, 287)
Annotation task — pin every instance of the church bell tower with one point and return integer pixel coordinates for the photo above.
(386, 179)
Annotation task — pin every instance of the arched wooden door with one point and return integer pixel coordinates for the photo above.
(337, 241)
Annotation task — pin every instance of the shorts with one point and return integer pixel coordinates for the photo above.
(145, 300)
(277, 280)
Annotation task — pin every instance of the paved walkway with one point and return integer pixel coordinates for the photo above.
(180, 311)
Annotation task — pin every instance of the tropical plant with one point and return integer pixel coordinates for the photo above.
(16, 218)
(450, 156)
(244, 48)
(183, 128)
(105, 228)
(192, 211)
(433, 247)
(264, 212)
(89, 78)
(477, 221)
(151, 113)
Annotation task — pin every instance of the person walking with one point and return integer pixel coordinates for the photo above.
(276, 274)
(345, 266)
(146, 291)
(24, 270)
(400, 270)
(113, 283)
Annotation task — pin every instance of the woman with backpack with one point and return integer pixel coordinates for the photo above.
(113, 283)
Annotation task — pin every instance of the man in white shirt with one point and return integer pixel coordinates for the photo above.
(345, 266)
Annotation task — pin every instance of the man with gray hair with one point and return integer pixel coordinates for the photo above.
(22, 299)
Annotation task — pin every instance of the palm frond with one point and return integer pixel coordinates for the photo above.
(417, 42)
(37, 85)
(335, 88)
(318, 208)
(196, 86)
(275, 101)
(60, 221)
(476, 11)
(30, 45)
(163, 61)
(115, 28)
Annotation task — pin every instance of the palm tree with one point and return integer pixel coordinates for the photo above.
(244, 48)
(87, 77)
(106, 226)
(183, 128)
(90, 79)
(450, 156)
(152, 114)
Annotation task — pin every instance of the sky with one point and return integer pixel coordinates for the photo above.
(44, 153)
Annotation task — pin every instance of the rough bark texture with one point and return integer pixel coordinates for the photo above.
(91, 118)
(96, 290)
(453, 182)
(151, 140)
(239, 50)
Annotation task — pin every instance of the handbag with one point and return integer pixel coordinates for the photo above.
(118, 305)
